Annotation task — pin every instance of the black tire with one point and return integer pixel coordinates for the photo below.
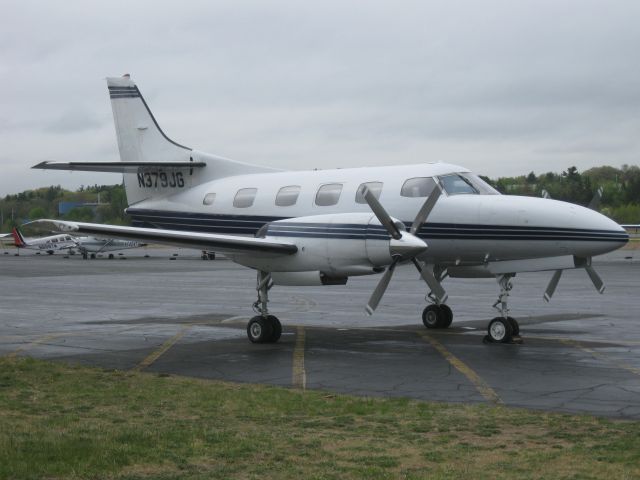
(447, 315)
(515, 328)
(111, 257)
(499, 330)
(432, 316)
(259, 330)
(276, 328)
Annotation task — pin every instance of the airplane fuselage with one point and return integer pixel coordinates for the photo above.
(465, 228)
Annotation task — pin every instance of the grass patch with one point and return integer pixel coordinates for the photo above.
(61, 421)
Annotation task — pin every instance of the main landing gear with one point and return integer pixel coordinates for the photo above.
(263, 328)
(437, 316)
(503, 329)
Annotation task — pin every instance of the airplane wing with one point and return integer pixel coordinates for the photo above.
(179, 238)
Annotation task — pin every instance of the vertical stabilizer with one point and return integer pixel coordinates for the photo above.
(18, 239)
(140, 138)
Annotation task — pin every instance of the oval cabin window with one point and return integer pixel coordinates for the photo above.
(245, 197)
(328, 194)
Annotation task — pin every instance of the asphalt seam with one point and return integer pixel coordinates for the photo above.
(483, 387)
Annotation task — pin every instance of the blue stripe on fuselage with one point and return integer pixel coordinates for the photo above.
(249, 225)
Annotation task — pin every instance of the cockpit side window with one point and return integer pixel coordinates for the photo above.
(454, 184)
(483, 187)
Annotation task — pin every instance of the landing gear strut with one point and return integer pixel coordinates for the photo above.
(503, 329)
(263, 328)
(438, 314)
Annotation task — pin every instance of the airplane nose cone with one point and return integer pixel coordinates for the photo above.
(602, 234)
(407, 246)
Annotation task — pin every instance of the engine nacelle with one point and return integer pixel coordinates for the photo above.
(306, 279)
(334, 246)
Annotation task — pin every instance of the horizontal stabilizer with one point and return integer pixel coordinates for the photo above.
(117, 167)
(179, 238)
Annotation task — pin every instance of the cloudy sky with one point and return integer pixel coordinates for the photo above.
(501, 87)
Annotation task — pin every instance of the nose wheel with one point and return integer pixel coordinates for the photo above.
(437, 316)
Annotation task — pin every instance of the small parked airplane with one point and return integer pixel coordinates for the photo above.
(50, 244)
(321, 227)
(86, 245)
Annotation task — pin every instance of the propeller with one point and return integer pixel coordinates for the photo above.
(404, 245)
(593, 275)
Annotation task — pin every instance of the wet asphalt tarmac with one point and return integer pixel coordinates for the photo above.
(186, 316)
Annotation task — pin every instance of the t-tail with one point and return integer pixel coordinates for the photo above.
(18, 238)
(154, 165)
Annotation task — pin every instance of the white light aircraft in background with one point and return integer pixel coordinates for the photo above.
(85, 245)
(321, 227)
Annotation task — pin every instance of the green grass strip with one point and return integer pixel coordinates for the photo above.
(61, 421)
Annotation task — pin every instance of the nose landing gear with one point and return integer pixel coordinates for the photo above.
(503, 329)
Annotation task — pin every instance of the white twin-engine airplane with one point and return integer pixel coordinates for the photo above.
(86, 245)
(322, 227)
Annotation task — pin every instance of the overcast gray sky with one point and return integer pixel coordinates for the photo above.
(501, 87)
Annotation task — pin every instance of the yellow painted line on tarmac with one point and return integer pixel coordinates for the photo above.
(37, 341)
(299, 378)
(483, 387)
(590, 351)
(156, 354)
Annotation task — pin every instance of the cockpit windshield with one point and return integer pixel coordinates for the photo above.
(466, 184)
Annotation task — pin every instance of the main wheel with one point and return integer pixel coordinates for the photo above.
(276, 328)
(515, 328)
(500, 330)
(447, 316)
(259, 330)
(432, 316)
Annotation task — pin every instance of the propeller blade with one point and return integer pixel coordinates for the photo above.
(551, 288)
(595, 278)
(595, 201)
(432, 282)
(426, 208)
(377, 294)
(381, 214)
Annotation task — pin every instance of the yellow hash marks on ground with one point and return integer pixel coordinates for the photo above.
(483, 387)
(156, 354)
(37, 341)
(594, 353)
(299, 378)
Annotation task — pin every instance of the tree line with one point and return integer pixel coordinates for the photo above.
(620, 198)
(43, 203)
(620, 188)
